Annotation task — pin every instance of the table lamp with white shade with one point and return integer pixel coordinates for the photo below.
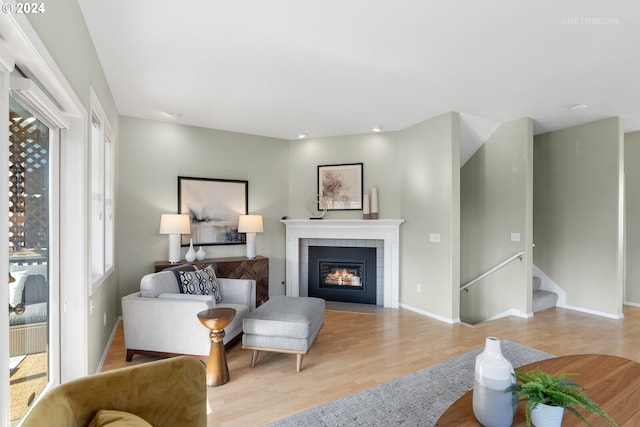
(250, 224)
(174, 225)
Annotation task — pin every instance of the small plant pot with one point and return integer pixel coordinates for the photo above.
(547, 416)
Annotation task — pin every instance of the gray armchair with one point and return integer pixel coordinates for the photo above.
(161, 320)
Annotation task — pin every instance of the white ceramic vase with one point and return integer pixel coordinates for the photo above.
(493, 405)
(200, 255)
(547, 416)
(190, 256)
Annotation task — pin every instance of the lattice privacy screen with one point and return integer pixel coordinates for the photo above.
(28, 182)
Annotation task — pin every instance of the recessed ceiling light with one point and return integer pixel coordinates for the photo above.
(378, 128)
(302, 135)
(174, 115)
(578, 107)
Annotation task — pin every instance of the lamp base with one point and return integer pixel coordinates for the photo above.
(251, 245)
(174, 248)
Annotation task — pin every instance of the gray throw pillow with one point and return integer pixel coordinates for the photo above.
(178, 268)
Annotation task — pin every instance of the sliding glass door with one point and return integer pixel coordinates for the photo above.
(30, 243)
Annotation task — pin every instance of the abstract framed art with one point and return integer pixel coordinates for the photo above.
(214, 207)
(340, 187)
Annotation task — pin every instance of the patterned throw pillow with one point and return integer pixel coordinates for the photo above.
(200, 282)
(212, 282)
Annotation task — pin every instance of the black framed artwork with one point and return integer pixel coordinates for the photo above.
(214, 207)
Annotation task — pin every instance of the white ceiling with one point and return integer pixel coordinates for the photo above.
(335, 67)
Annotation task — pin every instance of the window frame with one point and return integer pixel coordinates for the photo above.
(30, 96)
(102, 208)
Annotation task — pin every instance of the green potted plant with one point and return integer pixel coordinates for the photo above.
(541, 390)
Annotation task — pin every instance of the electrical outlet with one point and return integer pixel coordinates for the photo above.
(434, 237)
(515, 237)
(419, 287)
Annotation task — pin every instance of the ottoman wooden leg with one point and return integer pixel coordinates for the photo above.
(254, 358)
(299, 362)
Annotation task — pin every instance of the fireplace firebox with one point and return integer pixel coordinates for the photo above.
(346, 274)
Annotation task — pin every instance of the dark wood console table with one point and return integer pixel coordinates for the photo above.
(239, 267)
(612, 382)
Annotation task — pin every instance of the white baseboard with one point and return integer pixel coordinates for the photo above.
(632, 304)
(106, 350)
(595, 312)
(510, 312)
(432, 315)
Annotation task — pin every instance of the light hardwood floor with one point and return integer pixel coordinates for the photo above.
(354, 351)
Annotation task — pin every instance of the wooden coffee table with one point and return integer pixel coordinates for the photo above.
(612, 382)
(216, 319)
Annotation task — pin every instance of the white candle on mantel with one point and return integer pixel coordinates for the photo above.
(365, 204)
(374, 200)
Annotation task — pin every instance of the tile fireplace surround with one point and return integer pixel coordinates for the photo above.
(387, 230)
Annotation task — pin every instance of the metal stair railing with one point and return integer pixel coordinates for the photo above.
(492, 270)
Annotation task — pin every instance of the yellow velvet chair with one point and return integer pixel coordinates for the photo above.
(165, 393)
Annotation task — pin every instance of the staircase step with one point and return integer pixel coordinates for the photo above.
(536, 283)
(543, 300)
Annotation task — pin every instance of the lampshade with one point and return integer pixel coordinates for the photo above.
(250, 224)
(175, 224)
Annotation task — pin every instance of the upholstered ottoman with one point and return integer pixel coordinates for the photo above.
(283, 325)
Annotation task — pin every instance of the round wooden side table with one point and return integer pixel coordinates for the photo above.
(216, 319)
(612, 381)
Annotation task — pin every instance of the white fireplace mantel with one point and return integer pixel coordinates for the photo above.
(387, 230)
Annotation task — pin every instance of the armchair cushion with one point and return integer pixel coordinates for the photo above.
(112, 418)
(16, 294)
(211, 302)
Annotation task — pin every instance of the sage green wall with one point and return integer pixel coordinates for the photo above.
(577, 213)
(430, 203)
(496, 200)
(64, 33)
(416, 171)
(153, 154)
(378, 152)
(632, 160)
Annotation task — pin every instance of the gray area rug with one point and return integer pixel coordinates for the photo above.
(416, 399)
